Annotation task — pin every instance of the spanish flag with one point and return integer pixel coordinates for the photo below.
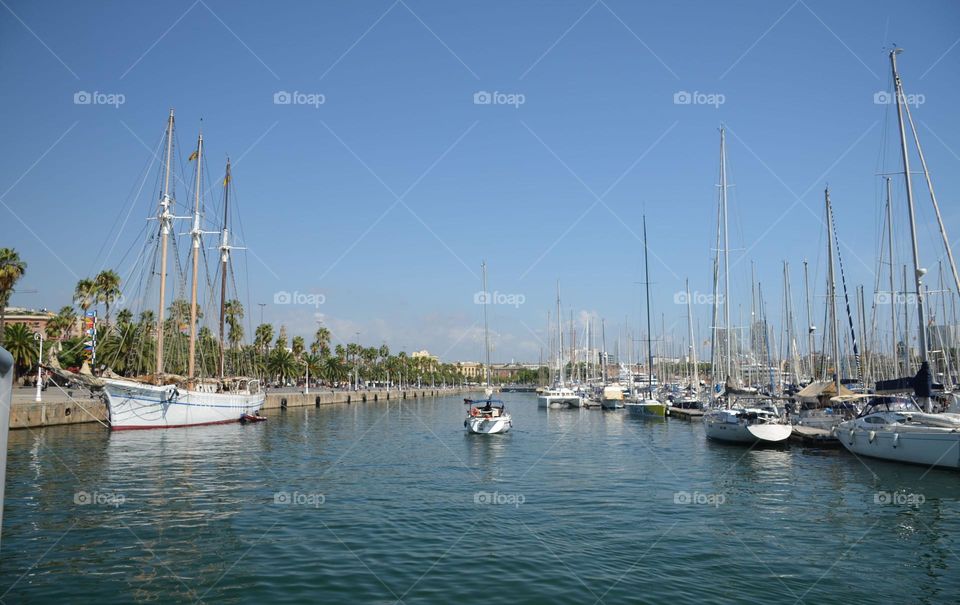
(192, 157)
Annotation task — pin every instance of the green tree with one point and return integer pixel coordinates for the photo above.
(59, 327)
(20, 341)
(85, 294)
(107, 289)
(297, 346)
(281, 364)
(11, 270)
(321, 342)
(262, 337)
(233, 316)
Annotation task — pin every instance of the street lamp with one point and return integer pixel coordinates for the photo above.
(39, 336)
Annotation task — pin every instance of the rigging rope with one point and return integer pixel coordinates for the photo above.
(846, 299)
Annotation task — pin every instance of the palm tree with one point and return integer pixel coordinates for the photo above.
(59, 327)
(312, 363)
(233, 312)
(11, 270)
(19, 340)
(321, 342)
(282, 364)
(85, 294)
(333, 369)
(263, 336)
(107, 288)
(297, 346)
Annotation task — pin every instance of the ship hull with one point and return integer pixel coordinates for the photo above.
(133, 405)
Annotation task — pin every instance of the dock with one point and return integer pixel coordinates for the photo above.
(77, 406)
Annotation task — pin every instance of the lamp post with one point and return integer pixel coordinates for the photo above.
(39, 336)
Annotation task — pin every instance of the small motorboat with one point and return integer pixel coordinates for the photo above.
(255, 417)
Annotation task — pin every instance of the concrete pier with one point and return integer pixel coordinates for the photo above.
(76, 406)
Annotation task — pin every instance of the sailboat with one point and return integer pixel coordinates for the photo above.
(559, 395)
(647, 406)
(741, 420)
(487, 419)
(689, 399)
(165, 400)
(897, 428)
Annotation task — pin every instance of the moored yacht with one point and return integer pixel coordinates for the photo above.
(752, 424)
(895, 428)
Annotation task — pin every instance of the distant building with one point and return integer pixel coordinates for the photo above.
(471, 370)
(37, 320)
(424, 354)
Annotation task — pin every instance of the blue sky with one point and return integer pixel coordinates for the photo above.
(385, 197)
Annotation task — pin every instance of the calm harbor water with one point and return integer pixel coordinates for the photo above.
(377, 503)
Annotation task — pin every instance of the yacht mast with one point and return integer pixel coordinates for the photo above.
(646, 279)
(893, 287)
(486, 329)
(726, 254)
(695, 375)
(559, 339)
(166, 218)
(918, 272)
(811, 345)
(195, 236)
(832, 292)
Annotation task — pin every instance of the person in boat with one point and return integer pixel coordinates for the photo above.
(488, 407)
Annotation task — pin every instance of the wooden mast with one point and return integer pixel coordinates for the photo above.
(195, 233)
(224, 260)
(165, 217)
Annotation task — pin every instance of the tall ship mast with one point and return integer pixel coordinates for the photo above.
(162, 399)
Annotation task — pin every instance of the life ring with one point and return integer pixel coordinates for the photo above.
(474, 412)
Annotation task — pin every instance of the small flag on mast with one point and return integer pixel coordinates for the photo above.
(193, 156)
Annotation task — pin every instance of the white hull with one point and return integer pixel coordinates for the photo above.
(488, 426)
(611, 404)
(725, 426)
(134, 405)
(559, 401)
(927, 445)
